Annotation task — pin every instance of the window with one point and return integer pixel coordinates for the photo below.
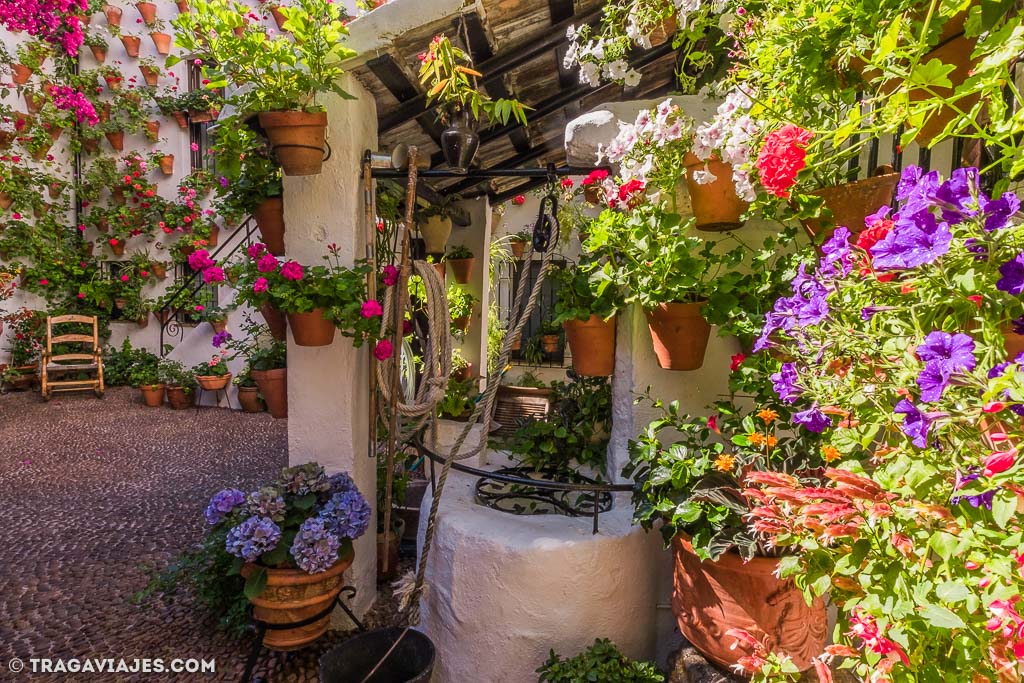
(199, 131)
(532, 350)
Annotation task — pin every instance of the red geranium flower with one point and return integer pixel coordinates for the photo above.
(782, 156)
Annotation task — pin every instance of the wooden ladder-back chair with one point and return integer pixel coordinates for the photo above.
(90, 362)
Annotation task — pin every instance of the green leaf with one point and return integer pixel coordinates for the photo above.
(1004, 505)
(952, 591)
(255, 583)
(306, 502)
(941, 617)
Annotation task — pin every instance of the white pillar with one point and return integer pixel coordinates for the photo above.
(328, 394)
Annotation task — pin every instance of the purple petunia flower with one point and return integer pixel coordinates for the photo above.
(315, 548)
(222, 504)
(1012, 280)
(836, 259)
(813, 420)
(909, 179)
(915, 423)
(347, 514)
(220, 338)
(998, 212)
(252, 538)
(912, 243)
(932, 381)
(784, 383)
(955, 351)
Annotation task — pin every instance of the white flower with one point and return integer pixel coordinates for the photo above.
(632, 78)
(597, 49)
(590, 74)
(703, 176)
(643, 121)
(570, 32)
(571, 56)
(616, 70)
(664, 110)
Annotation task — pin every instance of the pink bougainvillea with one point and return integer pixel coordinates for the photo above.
(58, 22)
(66, 98)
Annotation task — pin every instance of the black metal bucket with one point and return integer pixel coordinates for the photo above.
(412, 660)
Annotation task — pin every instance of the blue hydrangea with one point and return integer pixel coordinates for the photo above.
(341, 483)
(347, 514)
(223, 503)
(252, 538)
(303, 479)
(267, 502)
(315, 548)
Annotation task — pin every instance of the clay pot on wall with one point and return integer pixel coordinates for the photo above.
(462, 269)
(549, 343)
(460, 141)
(99, 53)
(311, 329)
(219, 325)
(462, 323)
(249, 399)
(592, 343)
(680, 335)
(167, 164)
(269, 216)
(5, 200)
(151, 74)
(183, 7)
(116, 140)
(152, 130)
(20, 73)
(851, 203)
(131, 45)
(273, 386)
(716, 206)
(158, 269)
(116, 247)
(147, 10)
(661, 34)
(182, 119)
(113, 15)
(161, 41)
(276, 321)
(279, 18)
(518, 248)
(709, 598)
(153, 395)
(435, 231)
(298, 139)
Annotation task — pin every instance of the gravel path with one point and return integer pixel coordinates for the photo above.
(94, 493)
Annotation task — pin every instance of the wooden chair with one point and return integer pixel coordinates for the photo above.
(61, 364)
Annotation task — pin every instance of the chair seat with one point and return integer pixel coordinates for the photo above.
(71, 367)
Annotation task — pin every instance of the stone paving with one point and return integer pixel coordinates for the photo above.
(93, 493)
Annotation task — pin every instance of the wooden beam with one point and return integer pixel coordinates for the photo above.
(498, 198)
(493, 68)
(391, 75)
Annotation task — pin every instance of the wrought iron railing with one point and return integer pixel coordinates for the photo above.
(172, 318)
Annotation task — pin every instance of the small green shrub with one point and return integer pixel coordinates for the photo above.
(601, 662)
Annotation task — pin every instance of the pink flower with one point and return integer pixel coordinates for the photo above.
(383, 350)
(267, 264)
(200, 308)
(519, 200)
(213, 274)
(124, 278)
(371, 309)
(260, 285)
(390, 275)
(256, 250)
(567, 183)
(81, 295)
(999, 462)
(737, 361)
(44, 282)
(782, 157)
(291, 271)
(200, 260)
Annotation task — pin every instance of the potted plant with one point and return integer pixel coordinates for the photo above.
(26, 334)
(31, 57)
(519, 242)
(212, 375)
(445, 72)
(181, 384)
(434, 223)
(248, 392)
(147, 10)
(602, 661)
(150, 71)
(145, 374)
(265, 362)
(285, 75)
(161, 40)
(461, 260)
(550, 336)
(113, 15)
(460, 308)
(586, 310)
(216, 316)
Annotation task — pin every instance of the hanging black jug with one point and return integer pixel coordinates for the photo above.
(460, 141)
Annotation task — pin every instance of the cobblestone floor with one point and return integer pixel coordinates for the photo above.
(92, 493)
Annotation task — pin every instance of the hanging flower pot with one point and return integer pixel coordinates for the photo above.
(152, 130)
(182, 6)
(116, 139)
(441, 270)
(55, 132)
(6, 138)
(549, 343)
(5, 200)
(311, 329)
(462, 268)
(151, 74)
(219, 325)
(275, 321)
(709, 598)
(435, 231)
(34, 102)
(460, 141)
(55, 189)
(249, 399)
(716, 206)
(1014, 343)
(161, 41)
(204, 116)
(158, 269)
(116, 246)
(164, 315)
(518, 247)
(113, 15)
(182, 119)
(117, 196)
(42, 152)
(661, 34)
(20, 73)
(142, 321)
(180, 399)
(462, 323)
(167, 164)
(680, 335)
(269, 215)
(279, 18)
(298, 139)
(131, 45)
(592, 343)
(239, 31)
(273, 385)
(99, 53)
(153, 394)
(851, 203)
(214, 382)
(147, 10)
(293, 595)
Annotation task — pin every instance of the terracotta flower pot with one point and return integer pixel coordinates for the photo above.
(116, 140)
(219, 325)
(462, 269)
(167, 164)
(152, 75)
(279, 17)
(161, 41)
(592, 343)
(152, 130)
(518, 248)
(269, 215)
(142, 321)
(214, 237)
(55, 189)
(441, 270)
(147, 10)
(113, 15)
(273, 386)
(158, 269)
(851, 203)
(180, 399)
(464, 373)
(311, 329)
(661, 34)
(275, 321)
(549, 343)
(153, 395)
(29, 375)
(6, 138)
(5, 200)
(239, 30)
(118, 248)
(131, 45)
(34, 102)
(249, 399)
(293, 595)
(462, 323)
(203, 116)
(182, 119)
(709, 598)
(1014, 343)
(435, 231)
(592, 193)
(680, 335)
(20, 73)
(214, 382)
(183, 7)
(99, 53)
(164, 315)
(716, 206)
(298, 138)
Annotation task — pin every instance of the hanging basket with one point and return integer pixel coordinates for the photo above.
(161, 41)
(311, 329)
(680, 335)
(716, 206)
(276, 321)
(298, 139)
(852, 203)
(592, 343)
(518, 248)
(269, 215)
(462, 269)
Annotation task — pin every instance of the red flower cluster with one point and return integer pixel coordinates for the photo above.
(782, 156)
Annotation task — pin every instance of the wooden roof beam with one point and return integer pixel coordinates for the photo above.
(393, 77)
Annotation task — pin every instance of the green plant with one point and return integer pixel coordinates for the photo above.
(495, 337)
(33, 53)
(530, 379)
(26, 335)
(459, 398)
(550, 328)
(144, 370)
(460, 302)
(577, 296)
(217, 365)
(602, 662)
(282, 72)
(458, 253)
(174, 374)
(445, 72)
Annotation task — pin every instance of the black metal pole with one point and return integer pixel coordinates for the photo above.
(485, 173)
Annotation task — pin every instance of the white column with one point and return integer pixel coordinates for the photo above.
(328, 395)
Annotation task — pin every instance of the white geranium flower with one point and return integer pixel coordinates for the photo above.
(570, 32)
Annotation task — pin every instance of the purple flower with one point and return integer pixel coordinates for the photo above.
(315, 548)
(222, 504)
(997, 370)
(932, 381)
(303, 479)
(979, 249)
(915, 423)
(976, 500)
(955, 351)
(813, 419)
(836, 252)
(911, 243)
(220, 338)
(341, 483)
(267, 502)
(998, 212)
(1012, 280)
(784, 383)
(252, 538)
(909, 179)
(224, 181)
(347, 514)
(958, 196)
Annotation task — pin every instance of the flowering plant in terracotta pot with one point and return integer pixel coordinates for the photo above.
(905, 343)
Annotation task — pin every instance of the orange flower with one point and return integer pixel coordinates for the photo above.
(724, 462)
(768, 415)
(756, 438)
(771, 441)
(830, 453)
